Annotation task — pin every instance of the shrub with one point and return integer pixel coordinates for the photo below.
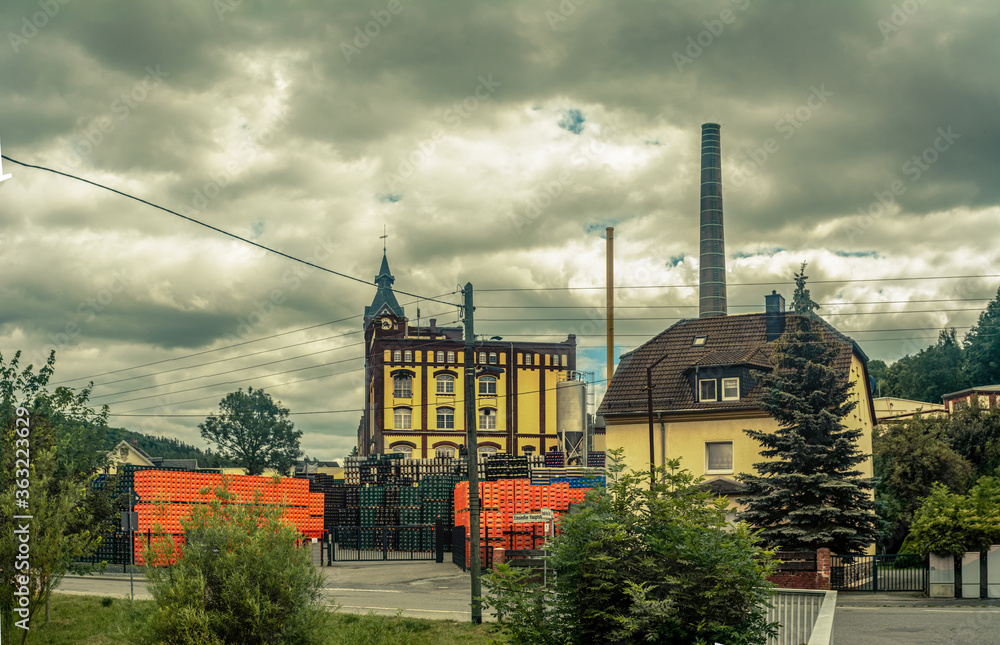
(634, 564)
(240, 578)
(951, 524)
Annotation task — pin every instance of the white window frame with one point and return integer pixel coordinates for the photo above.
(493, 358)
(402, 419)
(527, 359)
(408, 356)
(731, 381)
(715, 390)
(444, 410)
(399, 390)
(719, 471)
(447, 452)
(487, 419)
(440, 357)
(487, 450)
(451, 357)
(445, 385)
(406, 450)
(397, 356)
(485, 391)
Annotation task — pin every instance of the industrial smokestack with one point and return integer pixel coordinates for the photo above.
(712, 282)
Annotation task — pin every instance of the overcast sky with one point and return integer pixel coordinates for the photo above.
(495, 142)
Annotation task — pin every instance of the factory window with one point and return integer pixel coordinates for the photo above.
(445, 418)
(451, 357)
(406, 450)
(445, 384)
(402, 419)
(402, 387)
(487, 419)
(487, 386)
(706, 391)
(440, 357)
(445, 452)
(730, 389)
(482, 358)
(719, 457)
(527, 359)
(487, 450)
(493, 358)
(408, 356)
(397, 356)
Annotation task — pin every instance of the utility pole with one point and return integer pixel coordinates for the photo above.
(611, 301)
(473, 456)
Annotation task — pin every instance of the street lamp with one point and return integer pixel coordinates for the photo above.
(649, 406)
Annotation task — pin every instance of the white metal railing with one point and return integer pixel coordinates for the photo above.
(805, 615)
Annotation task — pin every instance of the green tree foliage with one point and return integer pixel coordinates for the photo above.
(951, 524)
(974, 432)
(642, 564)
(802, 302)
(254, 430)
(241, 578)
(910, 457)
(49, 458)
(982, 347)
(809, 494)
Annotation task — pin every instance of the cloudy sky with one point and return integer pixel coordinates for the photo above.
(494, 142)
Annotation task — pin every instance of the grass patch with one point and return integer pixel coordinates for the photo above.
(96, 621)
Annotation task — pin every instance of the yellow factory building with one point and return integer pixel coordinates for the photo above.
(415, 386)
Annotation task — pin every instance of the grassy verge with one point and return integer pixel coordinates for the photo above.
(101, 621)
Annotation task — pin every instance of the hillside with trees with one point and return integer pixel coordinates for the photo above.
(947, 366)
(166, 447)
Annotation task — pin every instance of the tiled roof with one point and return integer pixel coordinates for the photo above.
(738, 340)
(722, 486)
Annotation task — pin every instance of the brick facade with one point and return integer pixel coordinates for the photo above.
(803, 570)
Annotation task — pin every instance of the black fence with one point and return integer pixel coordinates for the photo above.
(879, 573)
(368, 543)
(460, 548)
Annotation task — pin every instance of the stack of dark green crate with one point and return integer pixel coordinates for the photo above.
(409, 515)
(372, 500)
(437, 493)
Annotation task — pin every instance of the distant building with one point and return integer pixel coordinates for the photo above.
(888, 408)
(415, 385)
(705, 394)
(986, 395)
(129, 452)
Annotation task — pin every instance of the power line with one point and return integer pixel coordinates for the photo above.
(628, 319)
(744, 284)
(732, 306)
(219, 230)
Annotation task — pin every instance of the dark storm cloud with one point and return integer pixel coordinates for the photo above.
(494, 141)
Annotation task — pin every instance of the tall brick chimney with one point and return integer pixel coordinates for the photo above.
(712, 278)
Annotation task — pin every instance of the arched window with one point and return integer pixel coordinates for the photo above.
(493, 358)
(487, 386)
(482, 358)
(527, 358)
(487, 451)
(446, 418)
(397, 356)
(440, 357)
(408, 356)
(446, 452)
(445, 384)
(402, 386)
(487, 419)
(451, 357)
(402, 419)
(406, 450)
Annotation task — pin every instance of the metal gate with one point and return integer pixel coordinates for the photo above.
(878, 573)
(366, 543)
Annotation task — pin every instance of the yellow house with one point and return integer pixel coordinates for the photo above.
(704, 393)
(127, 454)
(889, 408)
(415, 386)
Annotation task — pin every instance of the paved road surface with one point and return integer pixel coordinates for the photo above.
(865, 619)
(419, 589)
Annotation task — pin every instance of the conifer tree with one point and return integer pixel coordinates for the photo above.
(810, 494)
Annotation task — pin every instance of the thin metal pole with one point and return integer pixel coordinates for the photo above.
(473, 456)
(649, 409)
(611, 301)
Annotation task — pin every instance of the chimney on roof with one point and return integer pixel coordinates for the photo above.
(135, 443)
(774, 315)
(434, 323)
(712, 279)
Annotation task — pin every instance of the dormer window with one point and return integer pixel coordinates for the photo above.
(699, 341)
(707, 391)
(730, 389)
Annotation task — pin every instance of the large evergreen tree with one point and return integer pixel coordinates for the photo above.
(982, 347)
(810, 493)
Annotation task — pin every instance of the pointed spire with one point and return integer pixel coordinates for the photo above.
(384, 300)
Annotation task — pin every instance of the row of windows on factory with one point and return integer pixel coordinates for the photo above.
(446, 452)
(491, 358)
(445, 417)
(402, 385)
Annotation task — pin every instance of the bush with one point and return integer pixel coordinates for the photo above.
(951, 524)
(638, 565)
(240, 578)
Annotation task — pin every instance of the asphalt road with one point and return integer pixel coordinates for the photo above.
(875, 625)
(416, 589)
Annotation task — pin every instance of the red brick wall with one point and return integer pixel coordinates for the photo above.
(803, 579)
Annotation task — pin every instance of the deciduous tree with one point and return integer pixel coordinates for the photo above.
(254, 430)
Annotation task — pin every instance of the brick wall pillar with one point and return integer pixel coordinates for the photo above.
(823, 569)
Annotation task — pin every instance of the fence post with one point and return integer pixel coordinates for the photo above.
(438, 541)
(333, 542)
(993, 572)
(874, 574)
(385, 543)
